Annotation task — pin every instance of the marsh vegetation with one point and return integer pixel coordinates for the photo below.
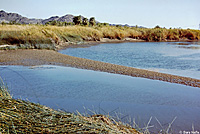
(29, 36)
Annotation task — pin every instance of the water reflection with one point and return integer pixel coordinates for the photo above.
(72, 89)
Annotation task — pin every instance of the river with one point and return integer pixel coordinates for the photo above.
(124, 97)
(179, 58)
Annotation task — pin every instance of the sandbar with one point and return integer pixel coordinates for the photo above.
(32, 57)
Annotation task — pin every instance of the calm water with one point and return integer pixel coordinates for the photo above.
(169, 57)
(72, 89)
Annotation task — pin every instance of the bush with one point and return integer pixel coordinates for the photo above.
(85, 21)
(92, 21)
(77, 20)
(157, 26)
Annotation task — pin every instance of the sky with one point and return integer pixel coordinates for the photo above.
(147, 13)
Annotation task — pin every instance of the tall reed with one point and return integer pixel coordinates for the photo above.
(40, 34)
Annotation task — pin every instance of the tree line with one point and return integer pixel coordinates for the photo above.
(77, 20)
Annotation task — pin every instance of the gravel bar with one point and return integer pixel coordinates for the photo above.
(33, 57)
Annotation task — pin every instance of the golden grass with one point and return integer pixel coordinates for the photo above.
(18, 116)
(4, 93)
(33, 34)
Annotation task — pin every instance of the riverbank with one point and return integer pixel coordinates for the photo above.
(19, 116)
(49, 57)
(56, 37)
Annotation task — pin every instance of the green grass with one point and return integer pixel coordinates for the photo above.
(56, 35)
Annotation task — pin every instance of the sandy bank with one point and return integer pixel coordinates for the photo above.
(49, 57)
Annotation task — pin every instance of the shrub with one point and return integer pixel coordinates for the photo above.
(157, 26)
(77, 20)
(85, 21)
(92, 21)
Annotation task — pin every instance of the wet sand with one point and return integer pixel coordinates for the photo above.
(50, 57)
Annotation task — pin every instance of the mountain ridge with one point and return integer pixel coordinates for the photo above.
(15, 17)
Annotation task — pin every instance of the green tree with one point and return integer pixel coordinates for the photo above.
(47, 23)
(70, 23)
(92, 21)
(102, 24)
(105, 24)
(67, 23)
(157, 26)
(59, 23)
(77, 20)
(12, 22)
(3, 23)
(53, 23)
(85, 21)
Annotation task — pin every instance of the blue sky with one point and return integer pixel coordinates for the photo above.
(148, 13)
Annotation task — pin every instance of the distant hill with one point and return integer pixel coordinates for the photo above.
(14, 17)
(10, 17)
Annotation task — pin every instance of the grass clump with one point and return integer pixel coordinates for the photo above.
(18, 116)
(4, 93)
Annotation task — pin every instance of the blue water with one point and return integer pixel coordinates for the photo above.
(169, 57)
(72, 89)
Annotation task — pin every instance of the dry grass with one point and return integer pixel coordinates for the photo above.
(4, 93)
(33, 34)
(17, 116)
